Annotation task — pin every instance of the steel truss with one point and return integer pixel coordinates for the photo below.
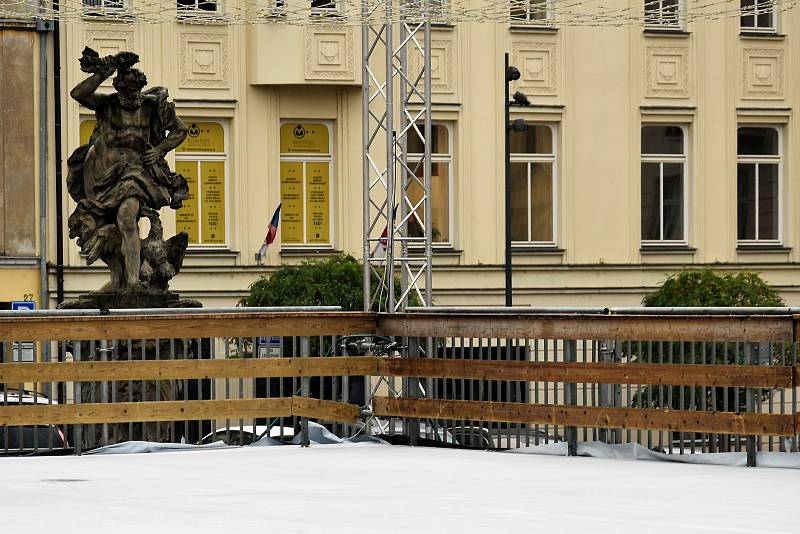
(397, 208)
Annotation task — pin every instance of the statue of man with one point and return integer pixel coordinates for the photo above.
(121, 174)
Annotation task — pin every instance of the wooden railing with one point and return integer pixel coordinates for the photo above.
(751, 329)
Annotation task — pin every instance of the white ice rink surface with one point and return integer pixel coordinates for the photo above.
(378, 488)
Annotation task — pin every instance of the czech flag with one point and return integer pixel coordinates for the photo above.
(383, 242)
(272, 231)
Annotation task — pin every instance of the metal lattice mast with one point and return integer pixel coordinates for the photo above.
(396, 188)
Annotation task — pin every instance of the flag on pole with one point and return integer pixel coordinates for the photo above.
(272, 231)
(383, 242)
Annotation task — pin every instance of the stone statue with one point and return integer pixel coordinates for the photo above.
(120, 176)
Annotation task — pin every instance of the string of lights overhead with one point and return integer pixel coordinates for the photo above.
(534, 13)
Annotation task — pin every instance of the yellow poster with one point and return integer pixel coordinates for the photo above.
(317, 202)
(85, 130)
(304, 138)
(213, 202)
(186, 218)
(203, 137)
(292, 202)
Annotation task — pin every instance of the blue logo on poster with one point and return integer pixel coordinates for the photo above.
(23, 305)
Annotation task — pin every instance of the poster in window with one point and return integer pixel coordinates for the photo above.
(317, 202)
(304, 138)
(292, 201)
(187, 217)
(203, 137)
(213, 198)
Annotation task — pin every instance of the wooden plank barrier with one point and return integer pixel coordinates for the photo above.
(757, 328)
(129, 412)
(185, 326)
(585, 416)
(98, 371)
(597, 373)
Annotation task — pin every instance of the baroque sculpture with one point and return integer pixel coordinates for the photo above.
(120, 177)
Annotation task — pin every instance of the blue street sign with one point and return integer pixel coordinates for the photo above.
(23, 305)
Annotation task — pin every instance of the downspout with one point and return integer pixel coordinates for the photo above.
(58, 155)
(42, 27)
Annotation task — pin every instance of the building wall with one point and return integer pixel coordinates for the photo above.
(594, 86)
(19, 89)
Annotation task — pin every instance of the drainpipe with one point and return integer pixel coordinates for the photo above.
(42, 28)
(59, 229)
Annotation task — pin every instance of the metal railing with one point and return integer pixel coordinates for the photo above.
(676, 380)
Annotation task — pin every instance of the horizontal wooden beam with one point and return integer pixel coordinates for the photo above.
(592, 373)
(585, 416)
(129, 412)
(761, 328)
(324, 409)
(186, 326)
(99, 371)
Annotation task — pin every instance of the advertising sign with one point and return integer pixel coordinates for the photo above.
(292, 201)
(317, 202)
(213, 202)
(305, 138)
(188, 217)
(203, 137)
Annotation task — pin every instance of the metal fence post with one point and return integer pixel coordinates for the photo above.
(752, 349)
(411, 389)
(76, 393)
(571, 397)
(305, 390)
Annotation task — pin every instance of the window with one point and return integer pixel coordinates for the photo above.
(758, 172)
(759, 16)
(97, 8)
(441, 177)
(203, 6)
(663, 184)
(662, 14)
(536, 12)
(306, 171)
(324, 7)
(203, 160)
(533, 185)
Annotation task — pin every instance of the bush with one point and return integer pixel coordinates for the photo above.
(707, 288)
(335, 281)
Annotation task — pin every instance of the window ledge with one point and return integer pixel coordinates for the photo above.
(221, 252)
(780, 249)
(532, 28)
(551, 251)
(667, 249)
(309, 251)
(666, 32)
(437, 251)
(19, 261)
(442, 26)
(762, 35)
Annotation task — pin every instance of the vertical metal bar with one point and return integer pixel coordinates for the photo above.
(390, 156)
(104, 386)
(76, 398)
(427, 164)
(305, 390)
(751, 404)
(571, 397)
(365, 167)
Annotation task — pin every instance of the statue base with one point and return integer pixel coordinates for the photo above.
(126, 301)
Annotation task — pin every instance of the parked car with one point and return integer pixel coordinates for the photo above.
(19, 440)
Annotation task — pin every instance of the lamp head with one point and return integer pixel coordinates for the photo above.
(512, 73)
(520, 99)
(519, 125)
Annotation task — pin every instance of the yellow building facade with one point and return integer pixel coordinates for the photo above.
(650, 149)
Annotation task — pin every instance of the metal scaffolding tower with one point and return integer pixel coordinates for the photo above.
(397, 188)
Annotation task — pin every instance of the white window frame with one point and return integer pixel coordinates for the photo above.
(336, 10)
(657, 22)
(528, 20)
(541, 158)
(313, 158)
(757, 161)
(773, 9)
(443, 158)
(661, 159)
(210, 156)
(100, 9)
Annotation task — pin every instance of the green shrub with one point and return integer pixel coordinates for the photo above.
(707, 288)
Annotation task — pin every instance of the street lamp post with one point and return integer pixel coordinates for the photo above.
(519, 125)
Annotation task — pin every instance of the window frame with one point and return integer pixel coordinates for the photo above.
(529, 22)
(210, 156)
(305, 158)
(443, 158)
(661, 159)
(187, 14)
(528, 159)
(102, 11)
(756, 28)
(766, 159)
(335, 11)
(679, 24)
